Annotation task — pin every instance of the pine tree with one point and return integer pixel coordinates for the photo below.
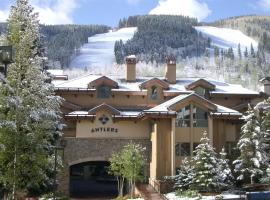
(30, 119)
(246, 52)
(252, 52)
(248, 164)
(205, 166)
(239, 51)
(264, 110)
(225, 174)
(184, 178)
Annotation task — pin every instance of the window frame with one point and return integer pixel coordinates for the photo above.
(100, 92)
(180, 149)
(196, 119)
(154, 92)
(182, 120)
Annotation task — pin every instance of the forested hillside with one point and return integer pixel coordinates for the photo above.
(257, 27)
(62, 41)
(159, 36)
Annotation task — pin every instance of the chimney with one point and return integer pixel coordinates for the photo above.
(131, 68)
(171, 69)
(266, 85)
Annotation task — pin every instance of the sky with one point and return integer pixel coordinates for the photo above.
(109, 12)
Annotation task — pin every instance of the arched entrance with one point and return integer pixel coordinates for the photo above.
(91, 179)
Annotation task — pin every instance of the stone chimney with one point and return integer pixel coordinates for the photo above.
(266, 85)
(171, 70)
(131, 68)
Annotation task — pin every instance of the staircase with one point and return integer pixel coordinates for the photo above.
(148, 192)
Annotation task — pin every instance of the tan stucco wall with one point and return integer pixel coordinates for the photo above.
(224, 131)
(125, 129)
(86, 100)
(160, 164)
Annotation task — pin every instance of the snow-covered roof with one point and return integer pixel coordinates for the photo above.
(179, 87)
(122, 113)
(56, 72)
(221, 110)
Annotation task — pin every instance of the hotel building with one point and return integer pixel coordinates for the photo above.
(166, 115)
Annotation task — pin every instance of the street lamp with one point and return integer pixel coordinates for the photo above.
(6, 57)
(60, 146)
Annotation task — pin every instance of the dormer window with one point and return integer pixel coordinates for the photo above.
(154, 93)
(200, 91)
(103, 92)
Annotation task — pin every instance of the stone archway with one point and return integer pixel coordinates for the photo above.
(82, 150)
(91, 180)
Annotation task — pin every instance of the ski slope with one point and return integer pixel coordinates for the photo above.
(99, 51)
(225, 38)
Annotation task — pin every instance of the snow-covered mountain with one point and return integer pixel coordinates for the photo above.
(225, 38)
(99, 51)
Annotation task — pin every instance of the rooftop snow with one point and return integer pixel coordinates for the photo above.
(221, 87)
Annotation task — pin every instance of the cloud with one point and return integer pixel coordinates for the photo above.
(3, 15)
(191, 8)
(55, 11)
(50, 11)
(264, 4)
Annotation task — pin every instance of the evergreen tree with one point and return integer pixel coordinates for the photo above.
(248, 164)
(252, 52)
(239, 51)
(205, 166)
(184, 178)
(225, 174)
(246, 52)
(264, 110)
(30, 119)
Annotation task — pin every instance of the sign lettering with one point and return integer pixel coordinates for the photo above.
(104, 130)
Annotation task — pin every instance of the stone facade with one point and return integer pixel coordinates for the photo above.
(79, 150)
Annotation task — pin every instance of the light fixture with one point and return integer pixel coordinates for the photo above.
(6, 57)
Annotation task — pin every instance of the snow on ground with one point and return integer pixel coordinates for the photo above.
(99, 51)
(225, 38)
(172, 196)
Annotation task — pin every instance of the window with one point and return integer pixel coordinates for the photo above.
(103, 92)
(182, 149)
(199, 117)
(195, 145)
(183, 117)
(200, 91)
(154, 93)
(231, 149)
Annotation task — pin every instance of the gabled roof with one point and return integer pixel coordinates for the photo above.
(184, 99)
(154, 81)
(104, 80)
(202, 83)
(104, 107)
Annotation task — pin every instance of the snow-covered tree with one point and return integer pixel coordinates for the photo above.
(205, 166)
(184, 177)
(248, 164)
(30, 114)
(225, 174)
